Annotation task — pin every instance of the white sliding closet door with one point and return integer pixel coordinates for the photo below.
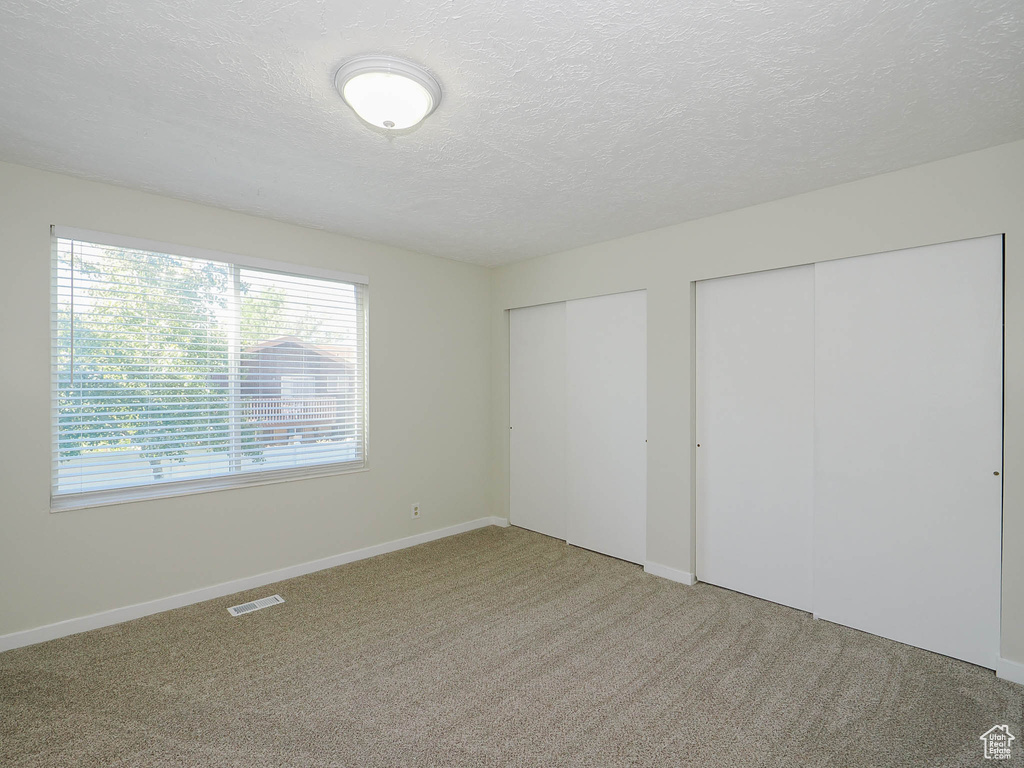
(755, 428)
(537, 492)
(606, 424)
(908, 446)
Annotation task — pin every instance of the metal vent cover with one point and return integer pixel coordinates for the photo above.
(255, 605)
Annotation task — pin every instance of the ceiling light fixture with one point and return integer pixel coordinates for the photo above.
(387, 92)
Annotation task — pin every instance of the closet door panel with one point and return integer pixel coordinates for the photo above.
(606, 419)
(755, 428)
(537, 492)
(908, 403)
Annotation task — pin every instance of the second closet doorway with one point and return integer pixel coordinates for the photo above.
(578, 417)
(849, 422)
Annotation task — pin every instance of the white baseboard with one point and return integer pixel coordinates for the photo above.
(672, 574)
(129, 612)
(1010, 670)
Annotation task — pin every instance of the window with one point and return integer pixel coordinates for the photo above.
(178, 371)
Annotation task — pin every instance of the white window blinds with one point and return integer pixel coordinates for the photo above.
(185, 371)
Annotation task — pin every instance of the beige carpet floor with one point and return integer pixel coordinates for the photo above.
(499, 647)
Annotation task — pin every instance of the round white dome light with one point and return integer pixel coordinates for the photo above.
(388, 92)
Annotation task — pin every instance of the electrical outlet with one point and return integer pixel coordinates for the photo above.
(415, 511)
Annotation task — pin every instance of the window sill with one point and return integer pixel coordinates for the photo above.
(90, 499)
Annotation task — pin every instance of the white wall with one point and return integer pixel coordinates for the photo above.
(981, 193)
(429, 416)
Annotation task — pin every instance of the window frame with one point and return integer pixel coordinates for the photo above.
(125, 495)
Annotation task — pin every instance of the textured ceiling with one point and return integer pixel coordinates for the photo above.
(562, 123)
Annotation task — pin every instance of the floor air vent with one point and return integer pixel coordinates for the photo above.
(255, 605)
